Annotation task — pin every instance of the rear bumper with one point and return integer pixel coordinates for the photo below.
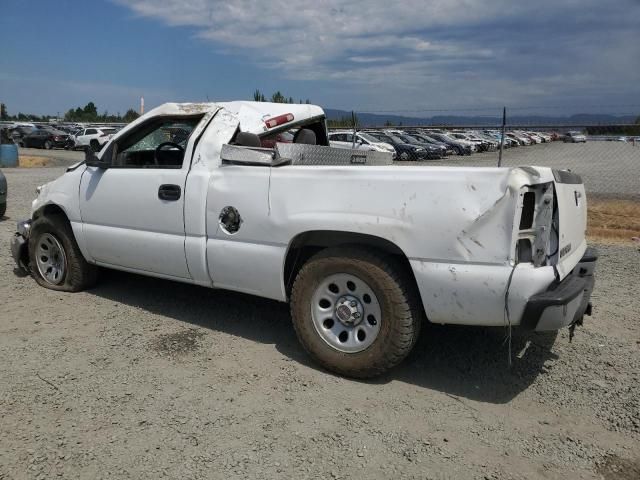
(563, 303)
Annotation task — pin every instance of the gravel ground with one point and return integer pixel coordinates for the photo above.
(144, 378)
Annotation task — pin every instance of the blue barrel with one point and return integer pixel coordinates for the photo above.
(9, 155)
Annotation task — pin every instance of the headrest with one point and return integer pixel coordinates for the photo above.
(305, 136)
(247, 139)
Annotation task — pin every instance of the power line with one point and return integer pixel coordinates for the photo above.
(499, 109)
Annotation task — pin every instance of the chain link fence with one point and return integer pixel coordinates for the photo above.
(607, 156)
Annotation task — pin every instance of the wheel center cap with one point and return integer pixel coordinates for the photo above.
(349, 310)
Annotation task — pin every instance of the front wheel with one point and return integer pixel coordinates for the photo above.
(95, 146)
(47, 145)
(355, 311)
(55, 259)
(3, 209)
(404, 156)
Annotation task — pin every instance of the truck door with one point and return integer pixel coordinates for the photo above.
(133, 210)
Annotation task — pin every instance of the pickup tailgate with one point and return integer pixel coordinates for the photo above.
(572, 220)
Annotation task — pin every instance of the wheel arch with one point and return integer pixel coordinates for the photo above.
(51, 209)
(306, 244)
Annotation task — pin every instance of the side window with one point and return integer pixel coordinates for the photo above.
(79, 133)
(90, 131)
(158, 144)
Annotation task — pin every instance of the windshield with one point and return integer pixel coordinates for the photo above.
(368, 138)
(424, 138)
(409, 139)
(382, 137)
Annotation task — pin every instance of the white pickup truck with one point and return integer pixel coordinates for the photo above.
(363, 250)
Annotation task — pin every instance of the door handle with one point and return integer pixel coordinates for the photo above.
(169, 192)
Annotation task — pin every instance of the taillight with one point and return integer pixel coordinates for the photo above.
(535, 225)
(279, 120)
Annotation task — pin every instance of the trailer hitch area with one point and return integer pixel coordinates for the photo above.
(579, 321)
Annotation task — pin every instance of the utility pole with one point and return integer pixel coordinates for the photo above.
(504, 122)
(353, 121)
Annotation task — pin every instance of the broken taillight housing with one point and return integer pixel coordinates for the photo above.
(536, 225)
(279, 120)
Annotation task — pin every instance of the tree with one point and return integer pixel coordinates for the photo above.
(258, 96)
(278, 98)
(91, 110)
(130, 115)
(3, 112)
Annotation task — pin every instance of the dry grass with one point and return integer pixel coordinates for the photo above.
(611, 220)
(32, 161)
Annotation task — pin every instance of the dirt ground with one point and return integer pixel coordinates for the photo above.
(144, 378)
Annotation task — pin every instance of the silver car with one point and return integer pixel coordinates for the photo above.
(575, 137)
(3, 194)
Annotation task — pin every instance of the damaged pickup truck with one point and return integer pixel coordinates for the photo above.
(363, 250)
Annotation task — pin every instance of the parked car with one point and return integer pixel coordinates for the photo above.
(521, 139)
(3, 194)
(45, 138)
(363, 141)
(363, 253)
(19, 132)
(93, 137)
(534, 138)
(545, 136)
(448, 149)
(434, 152)
(462, 148)
(575, 137)
(404, 151)
(477, 146)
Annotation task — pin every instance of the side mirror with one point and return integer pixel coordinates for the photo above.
(91, 160)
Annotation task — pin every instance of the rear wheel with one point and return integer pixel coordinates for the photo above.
(355, 311)
(404, 156)
(55, 259)
(47, 145)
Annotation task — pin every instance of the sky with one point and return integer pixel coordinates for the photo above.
(412, 57)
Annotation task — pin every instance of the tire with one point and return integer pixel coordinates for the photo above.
(95, 146)
(3, 209)
(47, 145)
(55, 232)
(394, 298)
(404, 156)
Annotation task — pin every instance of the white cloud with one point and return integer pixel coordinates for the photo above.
(447, 51)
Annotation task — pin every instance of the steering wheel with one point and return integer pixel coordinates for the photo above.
(161, 146)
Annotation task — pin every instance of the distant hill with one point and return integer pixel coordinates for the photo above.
(377, 119)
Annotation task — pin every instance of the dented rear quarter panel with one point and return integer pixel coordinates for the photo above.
(455, 225)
